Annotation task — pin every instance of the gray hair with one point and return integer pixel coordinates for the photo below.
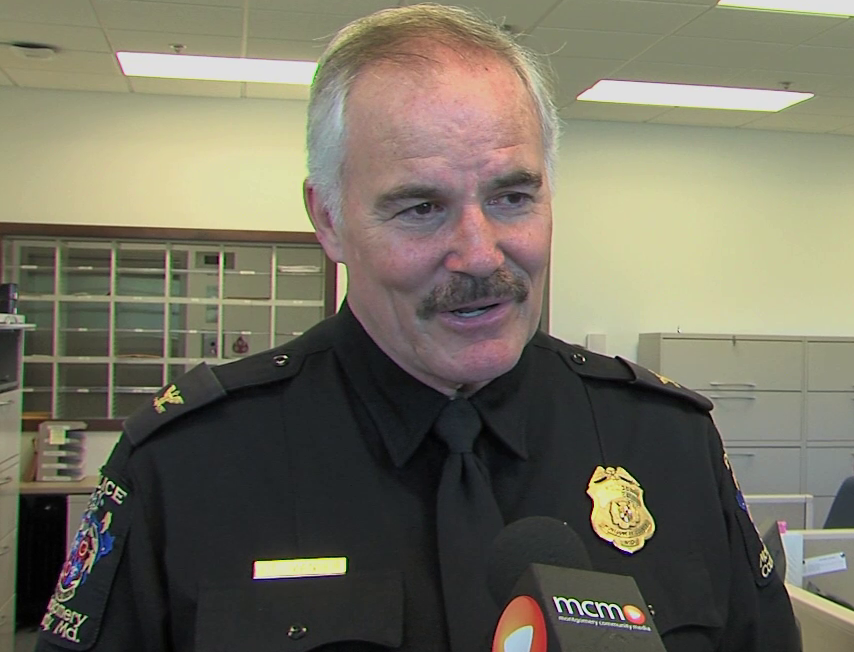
(377, 37)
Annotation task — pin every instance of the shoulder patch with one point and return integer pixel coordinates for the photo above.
(203, 385)
(76, 608)
(602, 367)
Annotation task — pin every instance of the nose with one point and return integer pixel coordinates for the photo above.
(475, 244)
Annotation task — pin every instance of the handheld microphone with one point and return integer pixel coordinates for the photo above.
(539, 568)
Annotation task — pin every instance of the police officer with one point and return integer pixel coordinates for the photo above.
(301, 498)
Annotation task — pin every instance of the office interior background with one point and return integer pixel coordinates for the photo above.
(665, 220)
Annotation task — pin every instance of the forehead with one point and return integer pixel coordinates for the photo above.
(436, 100)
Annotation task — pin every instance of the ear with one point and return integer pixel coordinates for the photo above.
(328, 232)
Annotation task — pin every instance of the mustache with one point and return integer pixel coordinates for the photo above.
(462, 289)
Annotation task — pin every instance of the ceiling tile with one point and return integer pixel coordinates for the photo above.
(185, 87)
(261, 48)
(218, 3)
(64, 37)
(341, 7)
(285, 25)
(576, 75)
(99, 63)
(773, 80)
(823, 105)
(622, 16)
(615, 112)
(841, 36)
(507, 12)
(202, 44)
(845, 88)
(71, 81)
(277, 91)
(674, 73)
(787, 121)
(821, 60)
(735, 24)
(589, 43)
(706, 117)
(183, 19)
(52, 12)
(712, 52)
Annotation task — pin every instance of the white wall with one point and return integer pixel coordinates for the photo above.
(707, 230)
(656, 227)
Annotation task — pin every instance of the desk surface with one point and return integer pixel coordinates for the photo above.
(85, 486)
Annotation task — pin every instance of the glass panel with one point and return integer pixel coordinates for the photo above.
(84, 270)
(195, 273)
(82, 404)
(40, 340)
(246, 330)
(135, 384)
(35, 269)
(193, 331)
(250, 277)
(299, 272)
(294, 321)
(83, 328)
(37, 404)
(140, 272)
(126, 404)
(139, 330)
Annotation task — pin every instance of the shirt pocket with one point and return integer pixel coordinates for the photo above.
(302, 614)
(680, 593)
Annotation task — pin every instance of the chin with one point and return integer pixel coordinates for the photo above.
(485, 364)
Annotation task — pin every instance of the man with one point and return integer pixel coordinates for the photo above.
(317, 497)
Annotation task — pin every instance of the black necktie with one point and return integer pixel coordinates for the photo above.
(468, 520)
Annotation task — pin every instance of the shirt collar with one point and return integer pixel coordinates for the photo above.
(403, 408)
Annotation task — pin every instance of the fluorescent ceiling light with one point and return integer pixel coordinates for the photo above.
(186, 66)
(826, 7)
(699, 97)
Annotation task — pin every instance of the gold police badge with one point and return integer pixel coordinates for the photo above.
(619, 515)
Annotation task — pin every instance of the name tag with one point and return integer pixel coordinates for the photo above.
(275, 569)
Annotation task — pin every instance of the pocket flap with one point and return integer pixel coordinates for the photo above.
(302, 614)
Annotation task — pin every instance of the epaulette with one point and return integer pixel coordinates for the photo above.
(602, 367)
(203, 385)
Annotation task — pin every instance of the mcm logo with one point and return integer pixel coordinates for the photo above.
(171, 395)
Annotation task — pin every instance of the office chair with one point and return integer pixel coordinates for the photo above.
(841, 513)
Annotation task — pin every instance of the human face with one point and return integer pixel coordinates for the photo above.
(446, 226)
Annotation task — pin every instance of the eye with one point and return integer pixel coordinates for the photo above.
(422, 210)
(512, 199)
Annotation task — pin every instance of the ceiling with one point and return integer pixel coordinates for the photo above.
(682, 41)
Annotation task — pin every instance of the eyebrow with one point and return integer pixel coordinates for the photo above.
(410, 191)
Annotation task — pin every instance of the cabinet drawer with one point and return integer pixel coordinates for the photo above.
(9, 481)
(751, 415)
(830, 416)
(728, 364)
(8, 556)
(772, 470)
(830, 366)
(827, 468)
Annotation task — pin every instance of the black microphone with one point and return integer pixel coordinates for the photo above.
(539, 568)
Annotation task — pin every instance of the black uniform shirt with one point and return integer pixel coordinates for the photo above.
(322, 448)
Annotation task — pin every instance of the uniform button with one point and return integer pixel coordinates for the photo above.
(281, 360)
(296, 632)
(578, 358)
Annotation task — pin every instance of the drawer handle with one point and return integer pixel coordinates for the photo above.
(6, 480)
(740, 398)
(747, 454)
(717, 383)
(5, 403)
